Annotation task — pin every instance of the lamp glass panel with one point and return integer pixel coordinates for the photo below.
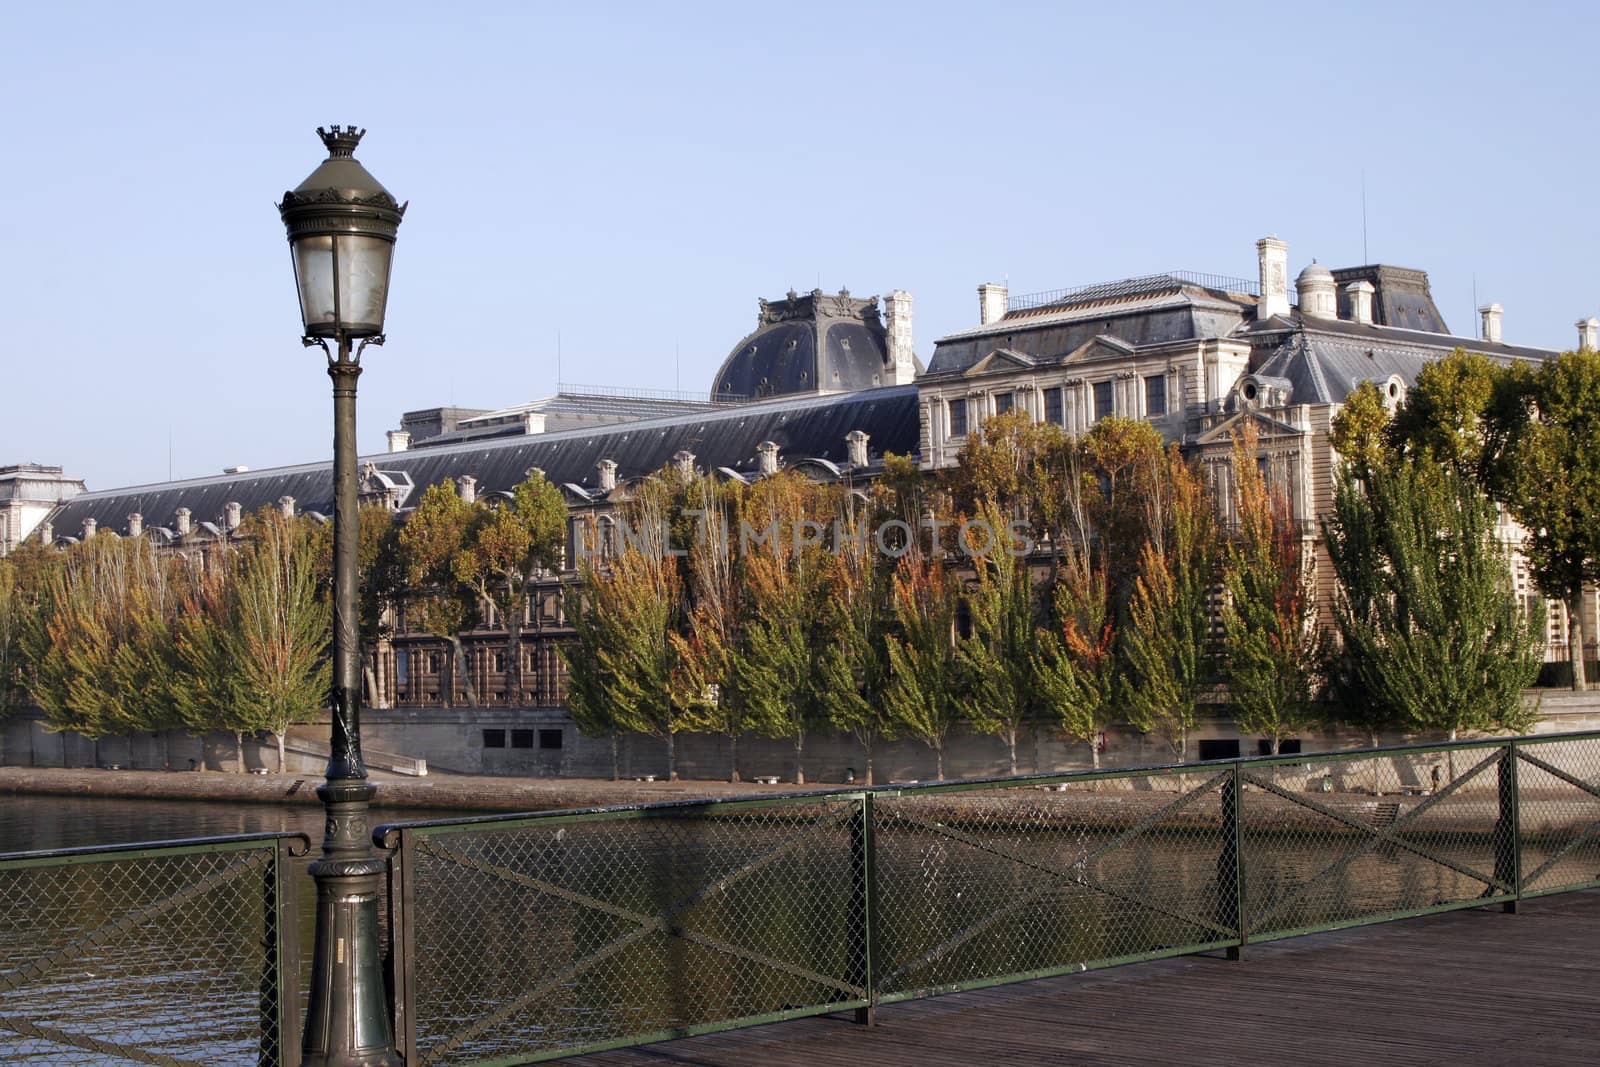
(363, 281)
(313, 274)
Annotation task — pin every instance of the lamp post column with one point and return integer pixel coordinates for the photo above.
(348, 1022)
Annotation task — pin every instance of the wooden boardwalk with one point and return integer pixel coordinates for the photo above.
(1467, 987)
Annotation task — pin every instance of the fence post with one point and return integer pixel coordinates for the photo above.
(286, 946)
(863, 907)
(1230, 869)
(1508, 828)
(400, 974)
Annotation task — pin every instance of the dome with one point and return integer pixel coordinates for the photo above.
(1314, 274)
(808, 343)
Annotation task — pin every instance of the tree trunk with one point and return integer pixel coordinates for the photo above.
(513, 621)
(1575, 640)
(370, 677)
(238, 750)
(1275, 743)
(733, 757)
(799, 758)
(1094, 752)
(458, 662)
(616, 759)
(867, 745)
(672, 757)
(279, 736)
(1011, 748)
(938, 762)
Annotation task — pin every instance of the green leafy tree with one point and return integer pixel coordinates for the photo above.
(1551, 483)
(995, 658)
(434, 535)
(507, 548)
(1359, 429)
(852, 659)
(209, 672)
(921, 697)
(1427, 615)
(1268, 614)
(1166, 642)
(281, 630)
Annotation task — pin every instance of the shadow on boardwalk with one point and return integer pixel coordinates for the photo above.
(1466, 987)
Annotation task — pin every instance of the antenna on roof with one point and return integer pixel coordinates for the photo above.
(1365, 258)
(677, 365)
(1477, 330)
(558, 361)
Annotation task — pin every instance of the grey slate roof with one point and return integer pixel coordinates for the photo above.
(802, 427)
(1326, 359)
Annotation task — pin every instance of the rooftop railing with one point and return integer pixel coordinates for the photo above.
(1128, 287)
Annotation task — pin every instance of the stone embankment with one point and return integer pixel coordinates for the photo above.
(446, 792)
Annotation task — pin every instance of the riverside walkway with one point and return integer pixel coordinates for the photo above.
(1465, 987)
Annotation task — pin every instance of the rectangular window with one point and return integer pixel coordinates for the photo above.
(1004, 403)
(521, 738)
(1102, 400)
(1219, 748)
(494, 739)
(500, 661)
(1054, 409)
(958, 417)
(549, 739)
(402, 667)
(1155, 394)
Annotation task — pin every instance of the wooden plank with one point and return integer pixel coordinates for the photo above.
(1467, 987)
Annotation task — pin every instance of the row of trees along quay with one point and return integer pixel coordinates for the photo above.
(1045, 582)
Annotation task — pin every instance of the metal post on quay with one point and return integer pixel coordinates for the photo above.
(341, 225)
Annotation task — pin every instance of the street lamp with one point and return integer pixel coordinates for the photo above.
(342, 226)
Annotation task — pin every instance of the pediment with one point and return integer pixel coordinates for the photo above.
(1266, 428)
(1100, 347)
(1000, 360)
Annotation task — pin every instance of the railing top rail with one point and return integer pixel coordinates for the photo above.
(386, 834)
(172, 845)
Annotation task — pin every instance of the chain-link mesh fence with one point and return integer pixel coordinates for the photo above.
(518, 939)
(1558, 813)
(177, 953)
(535, 936)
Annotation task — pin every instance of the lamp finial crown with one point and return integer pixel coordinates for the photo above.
(341, 143)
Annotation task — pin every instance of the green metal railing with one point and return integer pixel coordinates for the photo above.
(525, 937)
(169, 953)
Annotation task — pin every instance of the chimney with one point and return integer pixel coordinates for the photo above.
(1589, 335)
(902, 353)
(230, 515)
(399, 440)
(286, 506)
(1272, 255)
(47, 533)
(180, 522)
(855, 443)
(768, 453)
(533, 422)
(608, 474)
(467, 489)
(239, 469)
(88, 528)
(135, 524)
(683, 460)
(1491, 321)
(992, 301)
(1360, 294)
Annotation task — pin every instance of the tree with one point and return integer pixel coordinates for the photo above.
(14, 611)
(1166, 642)
(1268, 614)
(995, 658)
(281, 629)
(1427, 614)
(921, 697)
(706, 680)
(629, 602)
(433, 536)
(1556, 442)
(852, 657)
(507, 548)
(774, 661)
(208, 677)
(1359, 429)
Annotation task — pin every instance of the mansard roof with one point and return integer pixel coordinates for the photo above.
(1326, 359)
(811, 427)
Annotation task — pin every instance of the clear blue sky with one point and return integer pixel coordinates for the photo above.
(633, 177)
